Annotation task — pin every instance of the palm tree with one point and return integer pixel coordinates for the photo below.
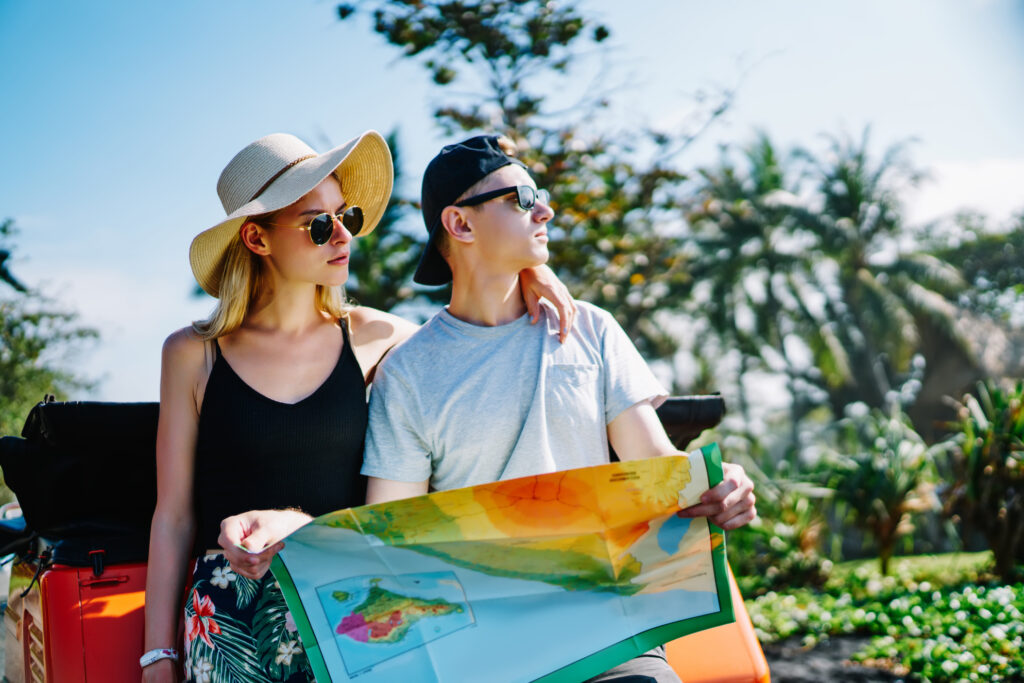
(750, 267)
(882, 297)
(805, 257)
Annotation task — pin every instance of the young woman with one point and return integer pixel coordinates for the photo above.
(263, 404)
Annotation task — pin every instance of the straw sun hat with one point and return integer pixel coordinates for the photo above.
(277, 170)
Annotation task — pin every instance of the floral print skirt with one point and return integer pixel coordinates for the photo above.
(237, 629)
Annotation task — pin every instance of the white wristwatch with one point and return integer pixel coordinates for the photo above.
(156, 655)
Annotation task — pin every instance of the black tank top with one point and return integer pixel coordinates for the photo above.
(254, 453)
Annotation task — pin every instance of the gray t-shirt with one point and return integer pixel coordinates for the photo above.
(465, 404)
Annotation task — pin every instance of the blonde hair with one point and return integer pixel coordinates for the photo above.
(243, 281)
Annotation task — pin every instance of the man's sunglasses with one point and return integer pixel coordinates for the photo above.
(321, 226)
(526, 196)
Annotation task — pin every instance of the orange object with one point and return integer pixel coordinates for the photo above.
(74, 626)
(724, 654)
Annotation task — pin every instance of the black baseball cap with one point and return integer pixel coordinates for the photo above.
(454, 170)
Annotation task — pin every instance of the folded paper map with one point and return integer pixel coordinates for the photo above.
(555, 577)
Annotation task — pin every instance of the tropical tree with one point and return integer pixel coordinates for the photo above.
(751, 269)
(805, 256)
(617, 231)
(882, 297)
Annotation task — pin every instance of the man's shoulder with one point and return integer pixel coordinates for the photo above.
(590, 311)
(591, 321)
(410, 354)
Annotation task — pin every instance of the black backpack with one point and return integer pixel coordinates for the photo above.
(85, 476)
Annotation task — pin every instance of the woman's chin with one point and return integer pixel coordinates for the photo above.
(337, 278)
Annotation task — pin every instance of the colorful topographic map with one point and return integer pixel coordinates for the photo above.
(581, 568)
(552, 528)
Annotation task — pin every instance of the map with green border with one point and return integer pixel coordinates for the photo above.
(435, 587)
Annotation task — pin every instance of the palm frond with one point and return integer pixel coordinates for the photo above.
(245, 591)
(931, 272)
(885, 318)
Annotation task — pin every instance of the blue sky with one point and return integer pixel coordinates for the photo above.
(118, 117)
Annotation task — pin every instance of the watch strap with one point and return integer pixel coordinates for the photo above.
(156, 655)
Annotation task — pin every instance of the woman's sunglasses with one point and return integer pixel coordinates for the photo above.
(526, 196)
(321, 226)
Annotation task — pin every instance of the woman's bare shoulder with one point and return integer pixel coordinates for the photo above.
(370, 326)
(184, 349)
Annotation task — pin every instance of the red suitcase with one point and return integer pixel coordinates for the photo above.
(74, 626)
(85, 477)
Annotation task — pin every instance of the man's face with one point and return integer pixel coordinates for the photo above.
(507, 237)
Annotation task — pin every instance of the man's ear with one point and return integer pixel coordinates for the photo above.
(253, 237)
(456, 224)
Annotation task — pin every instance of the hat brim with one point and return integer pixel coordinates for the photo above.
(362, 165)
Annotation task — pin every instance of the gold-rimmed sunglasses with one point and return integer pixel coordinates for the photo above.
(321, 226)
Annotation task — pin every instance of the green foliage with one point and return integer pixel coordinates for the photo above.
(614, 244)
(34, 338)
(988, 469)
(507, 43)
(991, 261)
(882, 475)
(783, 546)
(936, 618)
(31, 336)
(616, 235)
(383, 262)
(803, 250)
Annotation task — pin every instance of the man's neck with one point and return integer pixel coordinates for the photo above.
(486, 299)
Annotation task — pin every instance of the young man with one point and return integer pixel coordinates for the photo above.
(480, 394)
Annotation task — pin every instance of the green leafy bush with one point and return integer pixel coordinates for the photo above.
(930, 630)
(882, 475)
(783, 546)
(988, 468)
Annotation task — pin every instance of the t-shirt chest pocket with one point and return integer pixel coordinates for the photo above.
(573, 374)
(573, 396)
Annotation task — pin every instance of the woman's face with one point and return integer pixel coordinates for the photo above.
(290, 251)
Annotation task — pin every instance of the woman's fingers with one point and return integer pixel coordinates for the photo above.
(532, 305)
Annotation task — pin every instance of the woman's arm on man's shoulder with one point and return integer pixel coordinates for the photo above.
(374, 333)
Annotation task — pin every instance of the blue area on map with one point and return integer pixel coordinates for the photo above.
(671, 533)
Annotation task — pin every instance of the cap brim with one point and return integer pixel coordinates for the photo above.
(362, 165)
(432, 269)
